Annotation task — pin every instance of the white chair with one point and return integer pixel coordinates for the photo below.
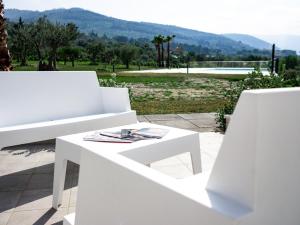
(37, 106)
(255, 179)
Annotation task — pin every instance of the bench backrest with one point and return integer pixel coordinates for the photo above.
(28, 97)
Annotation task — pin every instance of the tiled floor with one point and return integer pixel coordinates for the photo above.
(26, 172)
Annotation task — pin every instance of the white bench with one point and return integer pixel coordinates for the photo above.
(38, 106)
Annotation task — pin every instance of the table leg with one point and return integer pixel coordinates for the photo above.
(196, 161)
(60, 169)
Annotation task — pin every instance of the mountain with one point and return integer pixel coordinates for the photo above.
(88, 21)
(249, 40)
(285, 41)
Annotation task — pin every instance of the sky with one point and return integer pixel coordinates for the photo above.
(255, 17)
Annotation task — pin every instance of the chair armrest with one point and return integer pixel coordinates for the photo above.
(115, 100)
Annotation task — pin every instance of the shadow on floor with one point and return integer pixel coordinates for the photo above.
(13, 185)
(32, 148)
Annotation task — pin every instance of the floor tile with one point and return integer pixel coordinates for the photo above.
(4, 217)
(44, 168)
(176, 171)
(14, 183)
(167, 162)
(160, 117)
(73, 197)
(38, 217)
(183, 124)
(9, 200)
(41, 181)
(40, 199)
(195, 116)
(16, 168)
(204, 122)
(142, 119)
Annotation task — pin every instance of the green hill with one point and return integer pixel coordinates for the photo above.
(88, 21)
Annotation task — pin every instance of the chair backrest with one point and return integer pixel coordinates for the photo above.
(259, 160)
(27, 97)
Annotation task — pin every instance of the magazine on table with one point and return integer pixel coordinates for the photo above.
(127, 135)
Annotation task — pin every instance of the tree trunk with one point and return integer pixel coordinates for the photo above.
(162, 55)
(168, 57)
(5, 59)
(158, 57)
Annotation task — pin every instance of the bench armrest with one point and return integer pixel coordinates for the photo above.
(115, 100)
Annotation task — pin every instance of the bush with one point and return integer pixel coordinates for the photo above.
(255, 80)
(112, 82)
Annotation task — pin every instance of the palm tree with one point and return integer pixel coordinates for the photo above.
(156, 42)
(168, 39)
(5, 60)
(162, 41)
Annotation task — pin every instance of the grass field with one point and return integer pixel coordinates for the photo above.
(162, 93)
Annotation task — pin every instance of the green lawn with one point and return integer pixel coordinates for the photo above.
(160, 93)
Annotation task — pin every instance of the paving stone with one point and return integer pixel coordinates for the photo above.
(38, 217)
(179, 171)
(166, 162)
(16, 168)
(73, 196)
(14, 183)
(142, 119)
(183, 124)
(160, 117)
(40, 199)
(204, 122)
(19, 157)
(47, 157)
(40, 181)
(9, 200)
(195, 116)
(4, 217)
(204, 129)
(44, 168)
(71, 209)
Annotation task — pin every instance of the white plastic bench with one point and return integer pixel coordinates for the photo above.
(38, 106)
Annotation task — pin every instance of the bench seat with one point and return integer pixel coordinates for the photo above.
(38, 106)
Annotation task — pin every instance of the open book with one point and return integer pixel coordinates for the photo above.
(127, 135)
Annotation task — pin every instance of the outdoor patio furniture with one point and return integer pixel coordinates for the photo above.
(254, 181)
(176, 142)
(37, 106)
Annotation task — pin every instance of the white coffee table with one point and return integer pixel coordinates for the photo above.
(176, 142)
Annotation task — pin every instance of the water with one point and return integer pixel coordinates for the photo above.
(217, 70)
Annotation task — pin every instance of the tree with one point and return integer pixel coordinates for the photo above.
(69, 53)
(20, 42)
(162, 41)
(95, 49)
(127, 54)
(156, 41)
(168, 40)
(5, 59)
(59, 36)
(38, 35)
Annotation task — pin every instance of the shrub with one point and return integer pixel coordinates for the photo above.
(255, 80)
(112, 82)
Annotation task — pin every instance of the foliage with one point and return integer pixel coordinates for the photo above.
(127, 54)
(112, 82)
(255, 80)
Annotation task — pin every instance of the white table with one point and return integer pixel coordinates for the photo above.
(176, 142)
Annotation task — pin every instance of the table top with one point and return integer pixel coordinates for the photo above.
(173, 134)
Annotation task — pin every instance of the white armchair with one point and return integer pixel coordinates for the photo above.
(254, 181)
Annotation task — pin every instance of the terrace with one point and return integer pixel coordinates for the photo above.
(26, 173)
